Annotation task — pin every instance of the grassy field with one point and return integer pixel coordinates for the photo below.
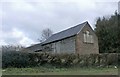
(59, 71)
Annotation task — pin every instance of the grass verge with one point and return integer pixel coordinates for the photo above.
(60, 71)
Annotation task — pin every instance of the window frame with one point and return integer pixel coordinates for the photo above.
(87, 37)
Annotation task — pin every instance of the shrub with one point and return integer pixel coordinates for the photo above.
(112, 59)
(21, 59)
(14, 59)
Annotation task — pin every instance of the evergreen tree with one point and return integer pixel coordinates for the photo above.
(108, 32)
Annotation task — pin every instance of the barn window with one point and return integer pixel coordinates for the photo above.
(88, 38)
(53, 47)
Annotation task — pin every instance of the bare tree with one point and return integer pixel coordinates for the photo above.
(11, 48)
(45, 34)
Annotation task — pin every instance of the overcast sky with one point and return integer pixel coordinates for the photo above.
(23, 20)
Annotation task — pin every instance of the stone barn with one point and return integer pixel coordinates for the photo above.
(79, 39)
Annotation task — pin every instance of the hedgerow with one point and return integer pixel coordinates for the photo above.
(23, 59)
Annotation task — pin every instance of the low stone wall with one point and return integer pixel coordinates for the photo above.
(66, 60)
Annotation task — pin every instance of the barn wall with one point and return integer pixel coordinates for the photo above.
(57, 46)
(86, 48)
(47, 48)
(63, 46)
(68, 45)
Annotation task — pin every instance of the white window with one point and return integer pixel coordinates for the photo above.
(91, 39)
(87, 37)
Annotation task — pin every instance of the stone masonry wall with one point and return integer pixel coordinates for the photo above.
(86, 48)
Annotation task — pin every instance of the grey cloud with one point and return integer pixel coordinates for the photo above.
(55, 15)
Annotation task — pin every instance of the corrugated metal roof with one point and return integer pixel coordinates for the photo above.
(66, 33)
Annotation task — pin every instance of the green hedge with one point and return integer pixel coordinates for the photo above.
(21, 59)
(15, 59)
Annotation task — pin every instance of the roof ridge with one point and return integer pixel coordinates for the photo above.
(70, 28)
